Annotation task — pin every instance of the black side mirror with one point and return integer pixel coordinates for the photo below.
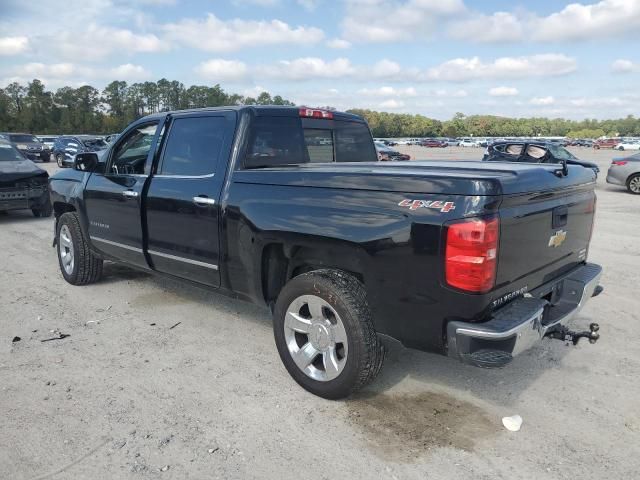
(86, 162)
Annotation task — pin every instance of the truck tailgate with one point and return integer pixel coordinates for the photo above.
(542, 235)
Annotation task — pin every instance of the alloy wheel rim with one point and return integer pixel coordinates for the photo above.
(316, 338)
(65, 244)
(634, 185)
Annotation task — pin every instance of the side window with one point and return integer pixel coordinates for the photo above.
(193, 146)
(319, 145)
(354, 143)
(131, 153)
(276, 141)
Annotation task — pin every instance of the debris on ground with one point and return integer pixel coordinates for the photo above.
(60, 336)
(15, 339)
(512, 423)
(174, 326)
(213, 450)
(165, 468)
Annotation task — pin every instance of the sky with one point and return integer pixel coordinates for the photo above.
(434, 57)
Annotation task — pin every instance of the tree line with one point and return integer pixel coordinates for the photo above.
(390, 125)
(85, 109)
(32, 108)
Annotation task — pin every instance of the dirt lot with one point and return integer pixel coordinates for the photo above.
(126, 396)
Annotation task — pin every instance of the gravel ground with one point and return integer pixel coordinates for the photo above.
(127, 396)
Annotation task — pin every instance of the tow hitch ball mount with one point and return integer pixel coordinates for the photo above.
(569, 336)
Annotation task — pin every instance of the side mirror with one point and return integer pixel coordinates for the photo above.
(86, 162)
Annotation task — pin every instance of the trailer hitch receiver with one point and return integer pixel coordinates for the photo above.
(569, 336)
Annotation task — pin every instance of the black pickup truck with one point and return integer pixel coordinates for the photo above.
(289, 208)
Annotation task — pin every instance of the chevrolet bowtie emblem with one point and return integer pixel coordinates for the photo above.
(557, 238)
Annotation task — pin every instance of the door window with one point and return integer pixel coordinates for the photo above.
(194, 146)
(131, 153)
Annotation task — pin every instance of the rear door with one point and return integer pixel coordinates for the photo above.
(183, 200)
(113, 199)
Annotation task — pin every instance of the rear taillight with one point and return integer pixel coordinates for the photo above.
(315, 113)
(471, 254)
(619, 163)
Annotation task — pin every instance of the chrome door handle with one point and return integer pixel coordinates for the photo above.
(204, 201)
(130, 193)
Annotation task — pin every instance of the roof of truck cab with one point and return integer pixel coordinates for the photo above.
(261, 110)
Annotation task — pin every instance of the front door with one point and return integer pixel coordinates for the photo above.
(183, 200)
(113, 199)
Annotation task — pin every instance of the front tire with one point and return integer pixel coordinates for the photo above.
(60, 160)
(78, 264)
(324, 334)
(633, 184)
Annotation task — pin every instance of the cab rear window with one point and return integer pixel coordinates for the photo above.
(277, 141)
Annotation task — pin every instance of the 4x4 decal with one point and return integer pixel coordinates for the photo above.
(444, 207)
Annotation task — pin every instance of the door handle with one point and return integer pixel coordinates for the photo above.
(130, 193)
(204, 201)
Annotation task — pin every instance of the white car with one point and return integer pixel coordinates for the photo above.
(628, 146)
(467, 142)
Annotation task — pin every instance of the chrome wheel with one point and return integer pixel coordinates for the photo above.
(316, 338)
(634, 184)
(65, 246)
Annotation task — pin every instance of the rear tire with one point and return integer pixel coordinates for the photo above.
(78, 264)
(633, 184)
(322, 318)
(60, 160)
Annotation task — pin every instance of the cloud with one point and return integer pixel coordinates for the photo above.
(309, 68)
(503, 92)
(442, 93)
(13, 45)
(129, 72)
(625, 66)
(219, 69)
(216, 35)
(388, 92)
(577, 21)
(465, 69)
(392, 104)
(338, 43)
(58, 73)
(542, 100)
(309, 5)
(496, 28)
(379, 21)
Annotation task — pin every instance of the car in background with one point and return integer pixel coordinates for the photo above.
(533, 152)
(630, 145)
(48, 140)
(468, 142)
(387, 154)
(433, 143)
(28, 145)
(452, 142)
(66, 147)
(625, 171)
(111, 138)
(23, 185)
(606, 143)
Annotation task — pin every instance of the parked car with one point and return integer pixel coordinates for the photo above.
(111, 138)
(66, 147)
(625, 171)
(28, 145)
(387, 154)
(48, 141)
(452, 142)
(534, 152)
(468, 142)
(630, 145)
(605, 143)
(433, 143)
(23, 185)
(342, 248)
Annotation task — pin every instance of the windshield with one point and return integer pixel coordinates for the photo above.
(23, 139)
(561, 153)
(9, 154)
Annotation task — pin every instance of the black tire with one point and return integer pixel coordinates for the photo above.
(346, 295)
(44, 211)
(633, 178)
(87, 267)
(60, 160)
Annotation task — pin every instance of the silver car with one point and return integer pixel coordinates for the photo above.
(625, 171)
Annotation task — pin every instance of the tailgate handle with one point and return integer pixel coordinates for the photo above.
(560, 216)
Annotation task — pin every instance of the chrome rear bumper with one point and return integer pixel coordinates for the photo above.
(524, 322)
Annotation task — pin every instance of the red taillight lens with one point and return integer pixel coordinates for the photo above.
(315, 113)
(619, 162)
(471, 254)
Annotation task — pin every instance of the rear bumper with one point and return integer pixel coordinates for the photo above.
(614, 179)
(524, 322)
